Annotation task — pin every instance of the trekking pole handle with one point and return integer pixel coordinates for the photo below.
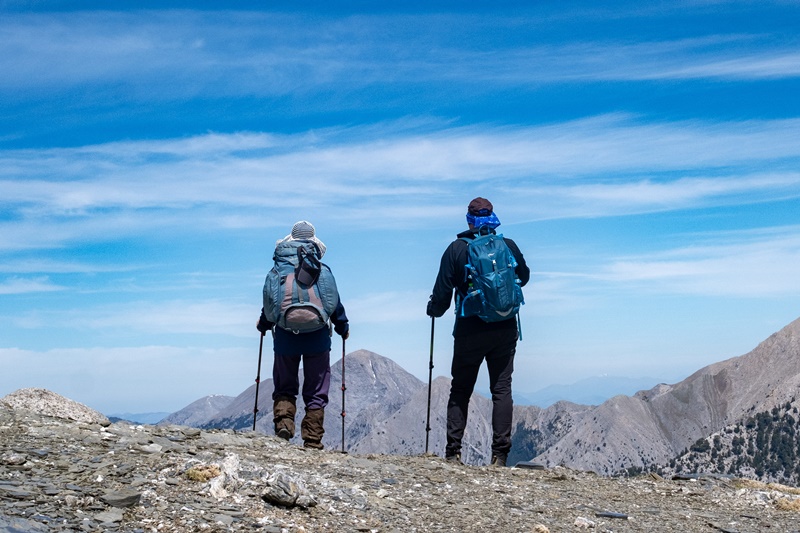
(433, 321)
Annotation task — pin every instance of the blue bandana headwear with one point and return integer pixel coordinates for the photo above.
(482, 219)
(480, 213)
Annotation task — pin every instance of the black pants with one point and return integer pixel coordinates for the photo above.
(497, 348)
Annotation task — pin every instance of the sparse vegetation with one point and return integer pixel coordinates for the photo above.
(765, 446)
(525, 443)
(203, 473)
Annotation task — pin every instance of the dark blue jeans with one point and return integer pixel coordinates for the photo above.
(316, 378)
(497, 348)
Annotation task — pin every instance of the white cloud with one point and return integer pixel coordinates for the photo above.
(40, 265)
(16, 285)
(153, 317)
(338, 159)
(271, 54)
(197, 317)
(646, 195)
(387, 174)
(749, 264)
(767, 65)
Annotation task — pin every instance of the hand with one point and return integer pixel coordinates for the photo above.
(343, 330)
(429, 310)
(263, 325)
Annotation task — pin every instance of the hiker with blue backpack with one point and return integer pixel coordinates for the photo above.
(301, 302)
(486, 271)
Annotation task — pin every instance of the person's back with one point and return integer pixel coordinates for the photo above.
(476, 339)
(301, 331)
(300, 293)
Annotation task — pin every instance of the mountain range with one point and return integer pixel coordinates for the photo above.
(590, 391)
(649, 430)
(139, 418)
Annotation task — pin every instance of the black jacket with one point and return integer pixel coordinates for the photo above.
(452, 276)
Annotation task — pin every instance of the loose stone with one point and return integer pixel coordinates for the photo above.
(121, 498)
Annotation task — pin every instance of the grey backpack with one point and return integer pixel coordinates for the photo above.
(300, 293)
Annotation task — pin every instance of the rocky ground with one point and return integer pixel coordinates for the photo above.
(58, 474)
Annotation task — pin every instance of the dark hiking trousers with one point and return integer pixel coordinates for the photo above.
(316, 378)
(497, 348)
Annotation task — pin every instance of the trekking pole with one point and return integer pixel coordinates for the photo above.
(258, 379)
(343, 389)
(430, 379)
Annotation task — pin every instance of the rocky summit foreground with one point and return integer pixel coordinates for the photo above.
(63, 475)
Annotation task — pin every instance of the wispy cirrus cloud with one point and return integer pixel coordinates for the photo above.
(203, 316)
(50, 266)
(592, 167)
(20, 285)
(270, 54)
(642, 195)
(740, 264)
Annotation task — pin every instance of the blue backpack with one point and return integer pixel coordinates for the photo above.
(300, 293)
(494, 292)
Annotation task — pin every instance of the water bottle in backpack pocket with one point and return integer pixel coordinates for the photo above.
(472, 303)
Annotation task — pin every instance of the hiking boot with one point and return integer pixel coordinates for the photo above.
(498, 460)
(312, 428)
(455, 458)
(283, 411)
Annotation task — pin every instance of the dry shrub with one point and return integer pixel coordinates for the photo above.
(203, 473)
(784, 488)
(782, 504)
(742, 483)
(785, 504)
(760, 485)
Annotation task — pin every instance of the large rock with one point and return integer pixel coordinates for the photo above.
(45, 402)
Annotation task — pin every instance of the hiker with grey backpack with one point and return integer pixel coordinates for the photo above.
(301, 302)
(486, 272)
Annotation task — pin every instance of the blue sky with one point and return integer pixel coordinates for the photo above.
(643, 156)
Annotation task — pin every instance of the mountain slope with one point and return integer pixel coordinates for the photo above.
(654, 426)
(765, 446)
(403, 432)
(198, 411)
(376, 387)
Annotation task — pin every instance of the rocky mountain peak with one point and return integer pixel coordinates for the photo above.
(45, 402)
